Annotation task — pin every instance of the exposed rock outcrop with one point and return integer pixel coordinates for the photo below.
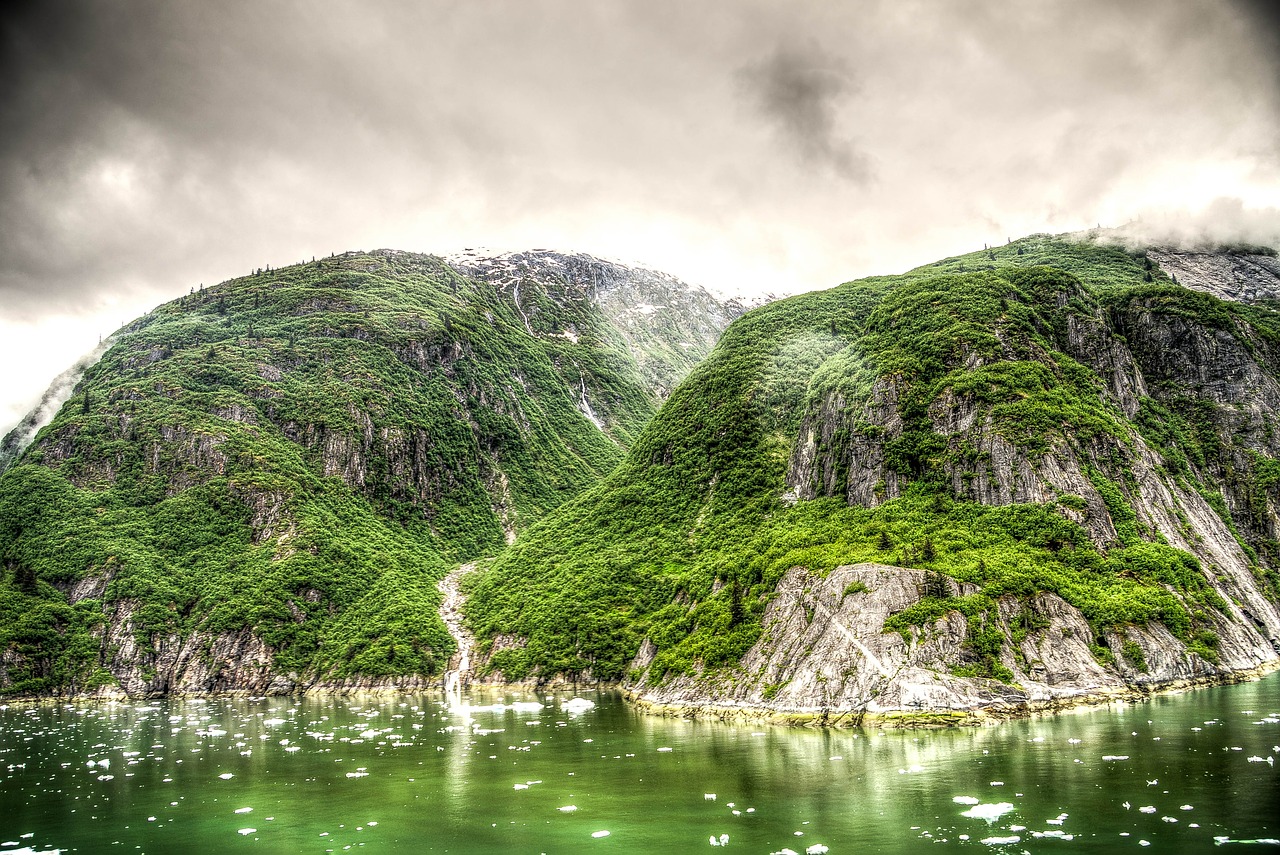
(1243, 276)
(825, 658)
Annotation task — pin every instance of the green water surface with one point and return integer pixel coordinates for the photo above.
(409, 773)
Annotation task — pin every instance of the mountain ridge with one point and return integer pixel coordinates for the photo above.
(259, 483)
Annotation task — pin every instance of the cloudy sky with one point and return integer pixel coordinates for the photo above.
(148, 146)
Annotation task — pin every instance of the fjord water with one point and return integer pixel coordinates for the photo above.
(408, 773)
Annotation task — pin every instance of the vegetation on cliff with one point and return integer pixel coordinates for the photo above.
(685, 541)
(302, 453)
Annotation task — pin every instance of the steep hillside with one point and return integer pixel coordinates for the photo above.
(668, 325)
(1002, 480)
(259, 484)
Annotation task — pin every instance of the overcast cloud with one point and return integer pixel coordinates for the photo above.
(747, 145)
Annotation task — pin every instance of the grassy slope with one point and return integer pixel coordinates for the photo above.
(684, 542)
(190, 467)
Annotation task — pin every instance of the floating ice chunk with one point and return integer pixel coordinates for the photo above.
(1115, 756)
(244, 810)
(1147, 809)
(664, 749)
(1186, 807)
(567, 808)
(599, 834)
(577, 706)
(1168, 819)
(226, 776)
(248, 831)
(1073, 741)
(965, 800)
(359, 774)
(785, 852)
(526, 706)
(816, 849)
(997, 783)
(1001, 841)
(990, 812)
(711, 797)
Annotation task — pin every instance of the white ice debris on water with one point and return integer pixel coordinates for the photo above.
(567, 808)
(247, 831)
(244, 810)
(990, 812)
(577, 706)
(1115, 756)
(816, 849)
(664, 749)
(965, 800)
(226, 776)
(526, 706)
(599, 834)
(1001, 841)
(711, 797)
(722, 840)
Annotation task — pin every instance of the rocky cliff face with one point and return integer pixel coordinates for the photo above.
(1244, 276)
(825, 658)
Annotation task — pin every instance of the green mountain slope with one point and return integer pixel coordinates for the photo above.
(1048, 419)
(261, 482)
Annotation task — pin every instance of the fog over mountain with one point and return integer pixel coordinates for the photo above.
(745, 146)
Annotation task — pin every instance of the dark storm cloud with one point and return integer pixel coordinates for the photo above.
(801, 90)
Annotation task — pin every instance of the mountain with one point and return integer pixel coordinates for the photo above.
(1007, 480)
(259, 484)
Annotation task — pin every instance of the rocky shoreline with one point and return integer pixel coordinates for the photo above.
(932, 718)
(707, 709)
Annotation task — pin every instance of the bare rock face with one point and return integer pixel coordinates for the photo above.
(199, 663)
(1240, 276)
(825, 657)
